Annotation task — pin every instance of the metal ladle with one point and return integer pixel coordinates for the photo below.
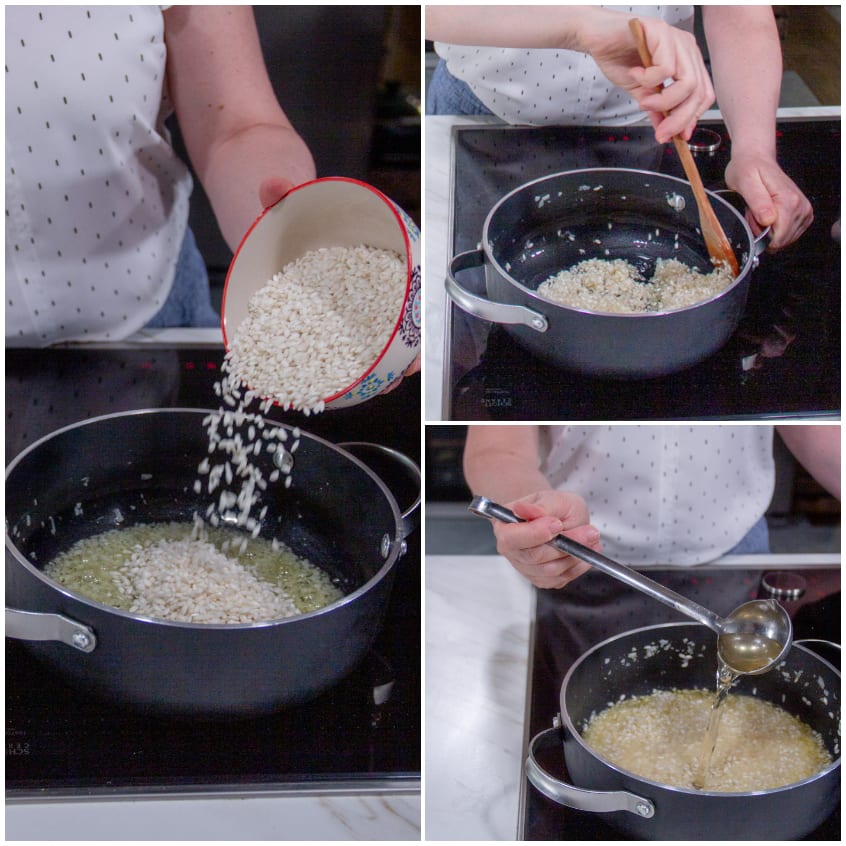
(750, 641)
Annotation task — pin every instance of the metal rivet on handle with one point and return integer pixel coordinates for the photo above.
(81, 640)
(283, 460)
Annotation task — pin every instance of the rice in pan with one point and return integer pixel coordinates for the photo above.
(760, 746)
(617, 287)
(191, 573)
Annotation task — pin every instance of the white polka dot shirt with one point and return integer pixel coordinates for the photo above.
(96, 199)
(665, 494)
(558, 87)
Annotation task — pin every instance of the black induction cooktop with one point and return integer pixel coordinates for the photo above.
(61, 741)
(783, 360)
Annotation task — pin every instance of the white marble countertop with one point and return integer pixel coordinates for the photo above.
(370, 817)
(478, 619)
(437, 194)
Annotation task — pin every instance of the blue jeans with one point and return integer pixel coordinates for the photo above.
(450, 96)
(189, 300)
(755, 542)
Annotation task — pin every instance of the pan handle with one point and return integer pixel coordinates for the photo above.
(483, 308)
(760, 243)
(598, 801)
(33, 625)
(364, 451)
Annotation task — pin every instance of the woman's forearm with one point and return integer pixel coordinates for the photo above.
(817, 449)
(235, 130)
(550, 27)
(746, 68)
(234, 170)
(502, 462)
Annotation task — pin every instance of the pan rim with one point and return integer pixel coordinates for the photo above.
(576, 734)
(347, 599)
(539, 301)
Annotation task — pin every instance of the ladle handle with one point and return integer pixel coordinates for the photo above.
(485, 508)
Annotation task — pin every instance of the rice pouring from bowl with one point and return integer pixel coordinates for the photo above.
(333, 262)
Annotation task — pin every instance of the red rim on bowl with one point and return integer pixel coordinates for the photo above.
(408, 272)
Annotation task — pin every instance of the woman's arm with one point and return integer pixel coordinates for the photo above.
(746, 65)
(605, 35)
(242, 146)
(501, 463)
(817, 449)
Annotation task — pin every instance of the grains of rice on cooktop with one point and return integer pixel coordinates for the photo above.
(318, 325)
(616, 286)
(186, 572)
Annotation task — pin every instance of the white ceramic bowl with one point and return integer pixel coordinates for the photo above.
(332, 212)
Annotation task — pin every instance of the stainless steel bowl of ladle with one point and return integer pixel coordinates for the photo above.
(750, 640)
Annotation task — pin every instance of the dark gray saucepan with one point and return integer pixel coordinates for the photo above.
(683, 655)
(555, 222)
(111, 471)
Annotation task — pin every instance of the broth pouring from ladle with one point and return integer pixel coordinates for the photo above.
(744, 651)
(750, 640)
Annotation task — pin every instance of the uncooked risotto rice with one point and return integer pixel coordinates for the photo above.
(318, 325)
(185, 572)
(617, 287)
(759, 745)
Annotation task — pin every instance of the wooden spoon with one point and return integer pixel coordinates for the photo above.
(716, 242)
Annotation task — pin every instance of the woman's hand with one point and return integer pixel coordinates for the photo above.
(673, 110)
(605, 35)
(273, 189)
(747, 67)
(525, 545)
(412, 368)
(772, 198)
